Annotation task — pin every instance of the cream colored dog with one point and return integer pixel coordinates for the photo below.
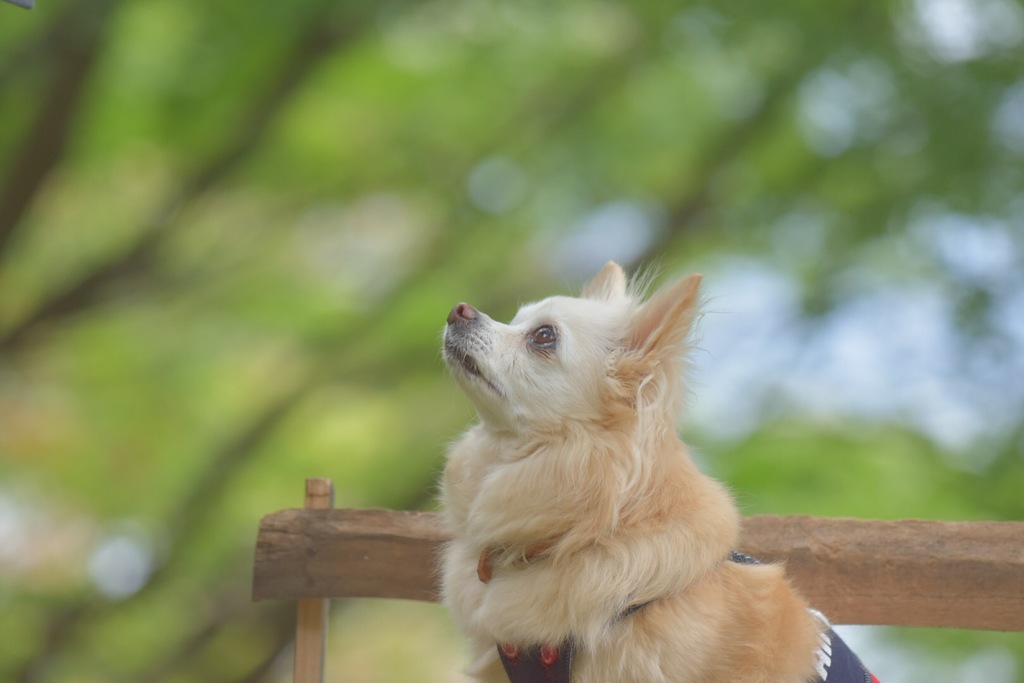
(580, 524)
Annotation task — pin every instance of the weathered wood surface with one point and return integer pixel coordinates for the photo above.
(904, 573)
(907, 573)
(347, 553)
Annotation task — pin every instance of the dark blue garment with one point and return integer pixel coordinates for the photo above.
(838, 664)
(538, 664)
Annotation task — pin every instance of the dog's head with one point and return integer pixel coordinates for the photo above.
(601, 358)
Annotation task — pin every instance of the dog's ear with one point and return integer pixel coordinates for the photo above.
(661, 325)
(608, 284)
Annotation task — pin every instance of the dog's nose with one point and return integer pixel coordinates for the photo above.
(462, 312)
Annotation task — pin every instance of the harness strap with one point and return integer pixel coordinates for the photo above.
(539, 663)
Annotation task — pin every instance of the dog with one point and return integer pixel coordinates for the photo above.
(586, 545)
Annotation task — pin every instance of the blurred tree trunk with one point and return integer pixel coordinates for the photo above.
(322, 36)
(70, 48)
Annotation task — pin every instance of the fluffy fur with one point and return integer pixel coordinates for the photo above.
(576, 488)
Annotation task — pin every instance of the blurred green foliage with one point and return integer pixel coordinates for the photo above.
(230, 233)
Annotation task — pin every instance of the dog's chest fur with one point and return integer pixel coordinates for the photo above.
(670, 551)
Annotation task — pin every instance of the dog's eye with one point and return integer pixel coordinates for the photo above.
(544, 337)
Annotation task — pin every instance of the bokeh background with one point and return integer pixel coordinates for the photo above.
(230, 233)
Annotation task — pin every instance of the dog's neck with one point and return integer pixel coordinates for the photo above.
(491, 554)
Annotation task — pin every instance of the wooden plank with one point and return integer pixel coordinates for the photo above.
(907, 573)
(347, 553)
(311, 616)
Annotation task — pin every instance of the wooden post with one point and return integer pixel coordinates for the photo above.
(311, 622)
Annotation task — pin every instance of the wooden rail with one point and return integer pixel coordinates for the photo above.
(906, 573)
